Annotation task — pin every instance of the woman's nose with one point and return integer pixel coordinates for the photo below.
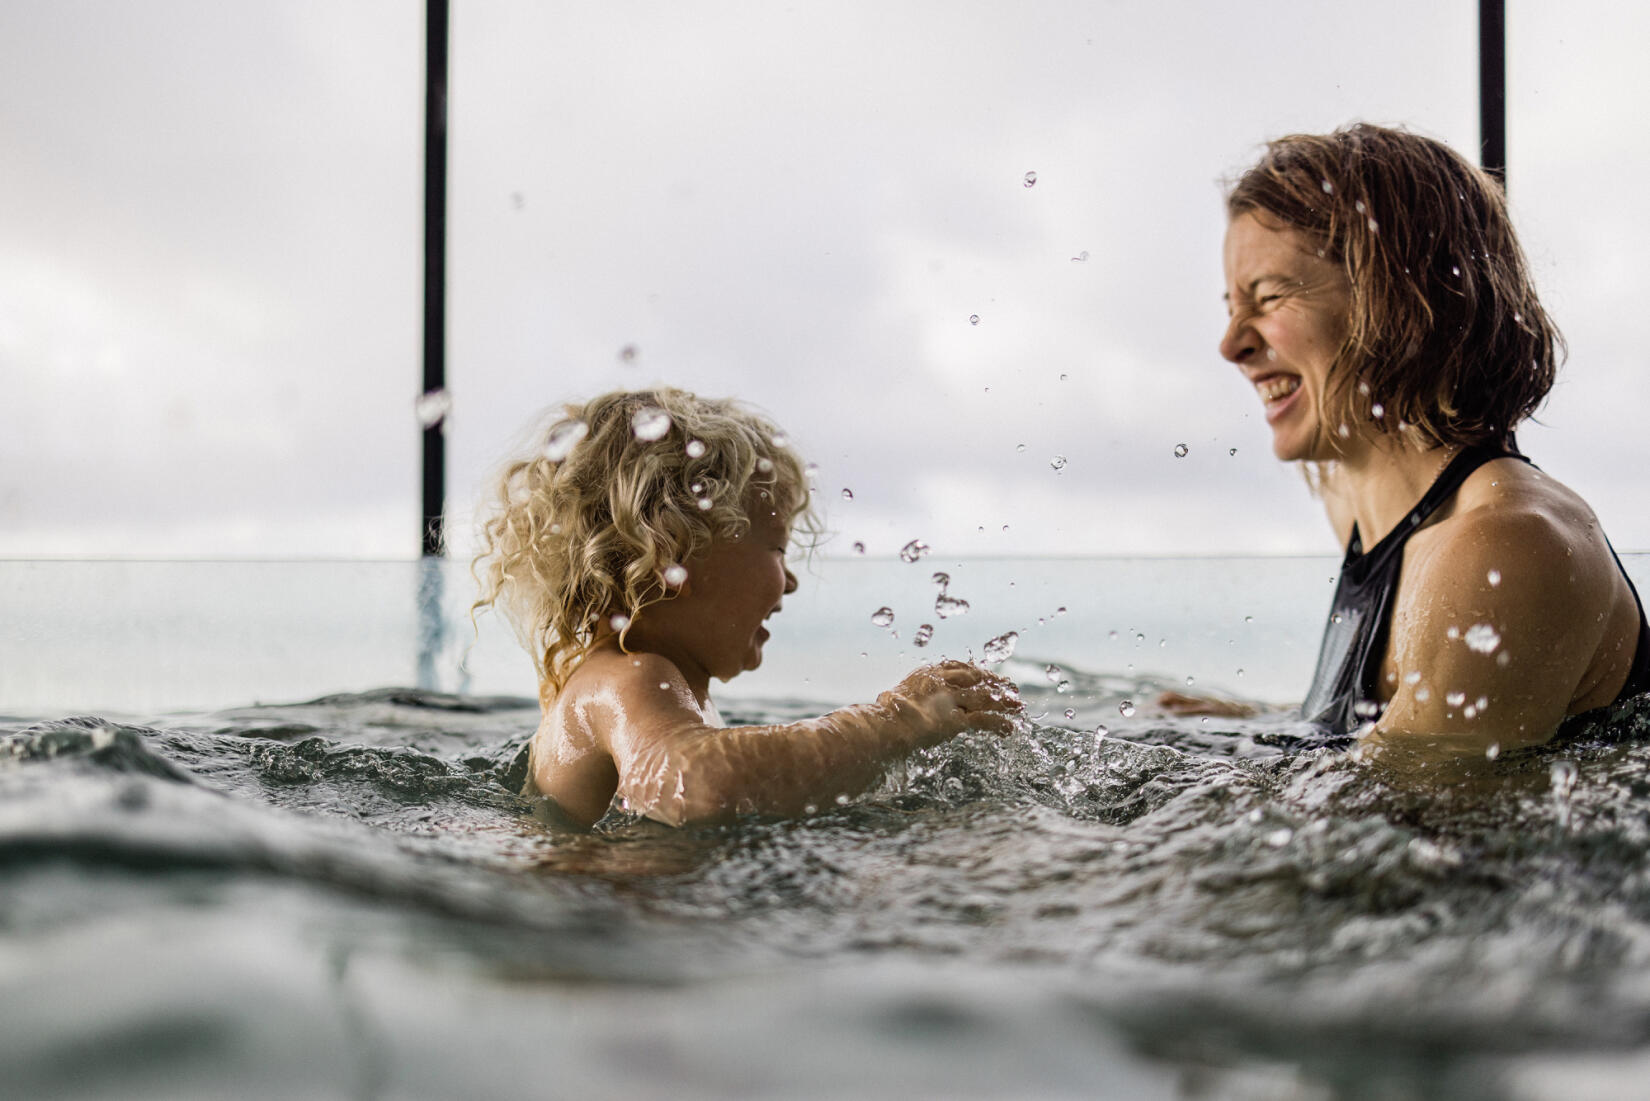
(790, 581)
(1240, 341)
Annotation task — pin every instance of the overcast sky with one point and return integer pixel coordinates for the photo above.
(210, 253)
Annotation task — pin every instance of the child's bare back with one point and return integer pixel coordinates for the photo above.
(641, 560)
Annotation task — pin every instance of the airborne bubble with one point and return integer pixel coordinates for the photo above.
(432, 407)
(1000, 649)
(559, 444)
(650, 423)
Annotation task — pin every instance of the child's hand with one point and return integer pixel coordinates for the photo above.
(937, 702)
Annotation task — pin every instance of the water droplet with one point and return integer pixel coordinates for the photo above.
(1366, 709)
(1126, 709)
(941, 578)
(1423, 694)
(1278, 838)
(1453, 632)
(1493, 750)
(923, 634)
(1377, 410)
(1031, 179)
(665, 685)
(1454, 270)
(1181, 450)
(1455, 699)
(1248, 619)
(847, 494)
(650, 423)
(1000, 649)
(1101, 731)
(1058, 462)
(1231, 451)
(973, 319)
(947, 606)
(1020, 448)
(559, 444)
(1053, 673)
(765, 465)
(696, 448)
(1412, 677)
(675, 575)
(619, 622)
(1358, 206)
(883, 617)
(859, 548)
(432, 407)
(913, 550)
(1081, 257)
(1374, 226)
(1483, 638)
(705, 504)
(1061, 610)
(842, 800)
(1494, 578)
(1328, 188)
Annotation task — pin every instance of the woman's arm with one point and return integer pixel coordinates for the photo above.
(1495, 630)
(676, 768)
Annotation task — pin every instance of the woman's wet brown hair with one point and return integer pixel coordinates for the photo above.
(1446, 335)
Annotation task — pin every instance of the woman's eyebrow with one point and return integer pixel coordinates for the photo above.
(1249, 289)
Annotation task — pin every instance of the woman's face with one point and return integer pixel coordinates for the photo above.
(1290, 309)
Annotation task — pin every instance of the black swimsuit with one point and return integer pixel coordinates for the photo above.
(1344, 692)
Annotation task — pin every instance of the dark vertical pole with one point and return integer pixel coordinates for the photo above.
(432, 538)
(432, 535)
(1492, 87)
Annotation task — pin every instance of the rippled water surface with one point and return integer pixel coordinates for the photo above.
(344, 898)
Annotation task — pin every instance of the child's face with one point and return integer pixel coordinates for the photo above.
(730, 590)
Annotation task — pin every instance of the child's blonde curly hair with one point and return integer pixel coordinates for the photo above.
(615, 492)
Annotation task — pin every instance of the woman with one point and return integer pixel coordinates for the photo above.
(1381, 307)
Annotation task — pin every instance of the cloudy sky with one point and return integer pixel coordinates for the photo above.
(210, 253)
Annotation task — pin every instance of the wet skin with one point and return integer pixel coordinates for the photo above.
(1514, 556)
(637, 721)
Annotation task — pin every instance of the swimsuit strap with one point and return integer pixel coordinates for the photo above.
(1443, 487)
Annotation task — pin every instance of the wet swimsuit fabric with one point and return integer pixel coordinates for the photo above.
(1344, 693)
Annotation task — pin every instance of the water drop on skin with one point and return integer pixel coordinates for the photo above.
(1482, 638)
(1494, 578)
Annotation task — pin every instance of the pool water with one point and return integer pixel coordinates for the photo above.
(344, 898)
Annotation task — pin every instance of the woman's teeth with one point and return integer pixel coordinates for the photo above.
(1279, 386)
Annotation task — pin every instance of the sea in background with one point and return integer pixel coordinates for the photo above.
(243, 854)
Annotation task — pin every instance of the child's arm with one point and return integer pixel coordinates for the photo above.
(676, 768)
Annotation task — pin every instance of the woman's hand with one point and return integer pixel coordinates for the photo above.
(1177, 703)
(940, 701)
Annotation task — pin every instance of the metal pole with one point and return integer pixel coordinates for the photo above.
(432, 537)
(1492, 87)
(432, 409)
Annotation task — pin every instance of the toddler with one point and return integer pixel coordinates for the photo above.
(638, 552)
